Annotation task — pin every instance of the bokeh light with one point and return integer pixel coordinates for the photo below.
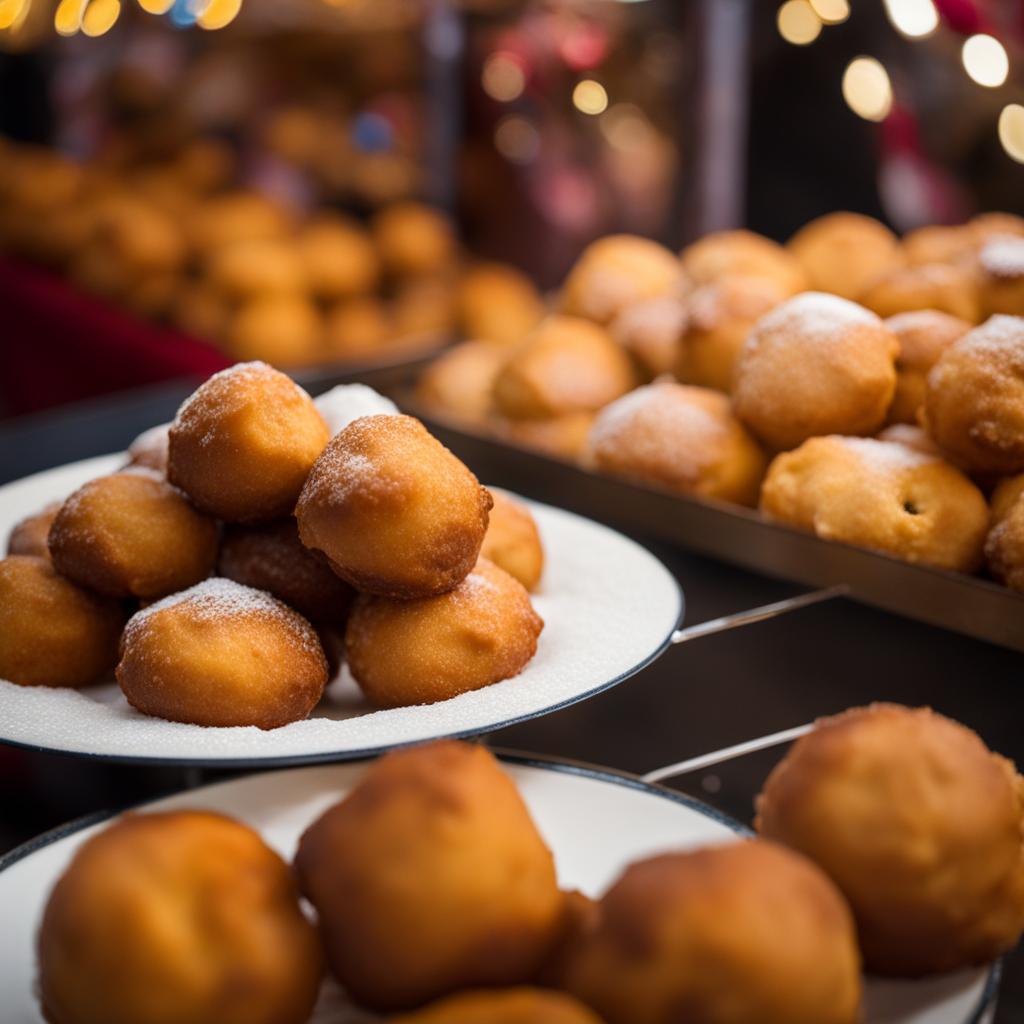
(503, 77)
(155, 6)
(985, 60)
(867, 89)
(218, 13)
(913, 18)
(67, 19)
(625, 127)
(1011, 131)
(12, 12)
(100, 16)
(590, 97)
(516, 139)
(798, 22)
(831, 12)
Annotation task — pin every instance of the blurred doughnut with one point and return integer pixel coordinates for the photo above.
(1005, 496)
(723, 254)
(28, 535)
(205, 165)
(149, 449)
(1001, 265)
(284, 330)
(498, 303)
(502, 1006)
(339, 258)
(413, 239)
(512, 541)
(987, 226)
(236, 217)
(938, 243)
(256, 269)
(358, 327)
(202, 312)
(425, 308)
(561, 437)
(1004, 545)
(650, 331)
(459, 382)
(945, 287)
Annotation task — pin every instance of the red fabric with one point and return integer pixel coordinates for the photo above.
(58, 345)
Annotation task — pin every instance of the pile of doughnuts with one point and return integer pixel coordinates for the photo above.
(865, 388)
(254, 539)
(890, 840)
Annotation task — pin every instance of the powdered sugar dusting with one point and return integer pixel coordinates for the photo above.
(887, 456)
(240, 371)
(675, 418)
(348, 402)
(1000, 338)
(815, 316)
(1003, 256)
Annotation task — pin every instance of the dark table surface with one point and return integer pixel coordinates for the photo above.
(703, 695)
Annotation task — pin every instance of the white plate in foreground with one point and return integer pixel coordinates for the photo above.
(595, 821)
(609, 608)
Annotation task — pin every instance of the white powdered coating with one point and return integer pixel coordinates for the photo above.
(814, 316)
(887, 457)
(662, 316)
(999, 339)
(676, 419)
(240, 371)
(1003, 256)
(155, 437)
(348, 402)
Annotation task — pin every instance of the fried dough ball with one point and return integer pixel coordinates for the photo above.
(919, 825)
(458, 384)
(987, 226)
(339, 258)
(681, 439)
(52, 632)
(222, 654)
(359, 327)
(910, 436)
(650, 331)
(719, 316)
(974, 398)
(425, 307)
(393, 510)
(566, 365)
(817, 364)
(285, 330)
(842, 253)
(204, 165)
(345, 403)
(256, 269)
(948, 288)
(938, 243)
(177, 916)
(149, 449)
(743, 254)
(132, 534)
(1001, 264)
(879, 495)
(413, 239)
(561, 437)
(243, 444)
(202, 312)
(923, 335)
(745, 932)
(512, 541)
(1004, 546)
(503, 1006)
(28, 535)
(618, 271)
(430, 878)
(498, 303)
(236, 217)
(271, 557)
(1005, 496)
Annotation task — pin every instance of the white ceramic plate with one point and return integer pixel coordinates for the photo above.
(609, 608)
(595, 821)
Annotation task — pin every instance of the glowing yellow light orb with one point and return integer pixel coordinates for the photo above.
(503, 78)
(831, 12)
(516, 139)
(100, 16)
(867, 89)
(913, 18)
(590, 97)
(985, 60)
(67, 19)
(798, 22)
(1011, 131)
(156, 6)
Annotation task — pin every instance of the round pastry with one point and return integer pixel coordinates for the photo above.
(285, 330)
(512, 541)
(28, 536)
(912, 436)
(345, 403)
(842, 253)
(681, 439)
(948, 288)
(924, 335)
(566, 365)
(459, 382)
(498, 303)
(202, 312)
(1005, 496)
(1004, 546)
(817, 364)
(271, 557)
(503, 1006)
(919, 825)
(205, 165)
(339, 258)
(430, 878)
(650, 331)
(1001, 264)
(138, 235)
(177, 916)
(154, 295)
(243, 444)
(413, 239)
(393, 510)
(255, 269)
(52, 632)
(719, 316)
(880, 495)
(617, 271)
(561, 437)
(359, 327)
(974, 398)
(743, 254)
(222, 654)
(235, 217)
(132, 534)
(745, 932)
(987, 226)
(149, 449)
(938, 243)
(425, 308)
(434, 648)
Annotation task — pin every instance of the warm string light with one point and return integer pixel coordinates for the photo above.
(218, 13)
(867, 89)
(798, 22)
(590, 97)
(516, 139)
(502, 78)
(985, 60)
(913, 18)
(67, 19)
(831, 12)
(100, 16)
(1011, 131)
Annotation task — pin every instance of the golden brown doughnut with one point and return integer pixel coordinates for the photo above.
(243, 444)
(358, 327)
(844, 252)
(681, 439)
(339, 258)
(413, 239)
(512, 541)
(425, 308)
(743, 254)
(52, 632)
(430, 878)
(434, 648)
(617, 271)
(458, 383)
(880, 495)
(284, 330)
(202, 312)
(132, 534)
(138, 235)
(986, 226)
(177, 916)
(235, 217)
(1005, 496)
(1004, 547)
(974, 398)
(255, 269)
(1001, 265)
(149, 449)
(561, 437)
(948, 288)
(938, 243)
(503, 1006)
(924, 335)
(919, 825)
(28, 535)
(222, 654)
(719, 316)
(393, 510)
(745, 932)
(912, 436)
(817, 364)
(498, 303)
(566, 365)
(204, 165)
(650, 331)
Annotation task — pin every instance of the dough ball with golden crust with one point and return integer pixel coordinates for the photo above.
(987, 226)
(680, 439)
(244, 270)
(1001, 265)
(430, 878)
(948, 288)
(618, 271)
(522, 1005)
(202, 312)
(566, 365)
(938, 243)
(433, 648)
(498, 303)
(28, 536)
(222, 654)
(339, 258)
(924, 335)
(1004, 546)
(817, 364)
(284, 330)
(879, 495)
(243, 444)
(358, 328)
(842, 252)
(743, 253)
(512, 541)
(1005, 496)
(52, 632)
(560, 437)
(394, 511)
(270, 557)
(177, 916)
(236, 217)
(413, 239)
(719, 316)
(459, 382)
(650, 331)
(919, 825)
(974, 398)
(149, 449)
(745, 932)
(425, 310)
